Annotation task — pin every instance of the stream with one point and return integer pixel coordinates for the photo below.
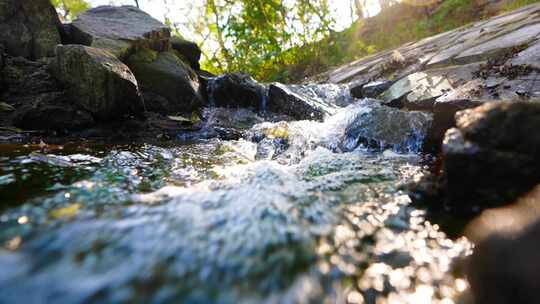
(294, 212)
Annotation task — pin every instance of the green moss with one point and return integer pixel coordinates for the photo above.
(144, 55)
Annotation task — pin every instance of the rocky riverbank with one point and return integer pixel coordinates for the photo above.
(467, 99)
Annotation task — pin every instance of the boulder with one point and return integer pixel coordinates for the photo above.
(492, 156)
(381, 127)
(52, 111)
(236, 90)
(190, 51)
(164, 74)
(97, 81)
(29, 28)
(285, 101)
(120, 30)
(504, 267)
(24, 79)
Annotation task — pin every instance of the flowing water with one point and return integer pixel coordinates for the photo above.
(295, 212)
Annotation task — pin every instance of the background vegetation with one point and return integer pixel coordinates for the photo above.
(287, 40)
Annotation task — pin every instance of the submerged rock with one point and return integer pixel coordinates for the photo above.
(364, 124)
(29, 28)
(492, 156)
(120, 29)
(97, 81)
(166, 75)
(236, 90)
(383, 128)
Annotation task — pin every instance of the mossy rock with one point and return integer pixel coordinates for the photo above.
(166, 75)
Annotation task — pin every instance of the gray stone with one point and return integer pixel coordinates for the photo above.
(381, 127)
(52, 111)
(166, 75)
(472, 90)
(119, 30)
(416, 89)
(530, 56)
(29, 28)
(284, 101)
(371, 90)
(97, 81)
(498, 44)
(237, 90)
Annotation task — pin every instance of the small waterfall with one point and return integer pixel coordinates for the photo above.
(211, 88)
(264, 99)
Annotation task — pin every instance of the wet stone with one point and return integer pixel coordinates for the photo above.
(371, 90)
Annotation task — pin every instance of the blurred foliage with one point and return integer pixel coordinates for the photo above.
(393, 27)
(257, 36)
(69, 9)
(517, 4)
(287, 40)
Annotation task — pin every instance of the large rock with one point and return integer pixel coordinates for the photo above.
(36, 100)
(29, 28)
(236, 90)
(120, 30)
(382, 127)
(492, 156)
(166, 75)
(504, 267)
(52, 111)
(285, 101)
(97, 81)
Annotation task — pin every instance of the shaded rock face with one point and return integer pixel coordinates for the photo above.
(52, 112)
(504, 267)
(166, 75)
(29, 28)
(371, 90)
(120, 30)
(492, 156)
(189, 50)
(283, 100)
(97, 81)
(236, 90)
(38, 100)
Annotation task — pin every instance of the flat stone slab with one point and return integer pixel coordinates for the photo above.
(118, 29)
(472, 43)
(417, 87)
(514, 38)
